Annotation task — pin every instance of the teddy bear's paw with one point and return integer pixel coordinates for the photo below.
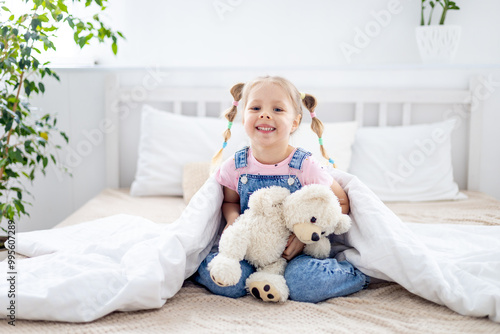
(344, 224)
(219, 281)
(268, 287)
(224, 271)
(265, 291)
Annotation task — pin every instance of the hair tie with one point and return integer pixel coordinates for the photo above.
(235, 103)
(229, 125)
(302, 95)
(332, 162)
(320, 141)
(224, 144)
(313, 114)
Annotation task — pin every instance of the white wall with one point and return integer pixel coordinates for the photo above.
(195, 46)
(287, 33)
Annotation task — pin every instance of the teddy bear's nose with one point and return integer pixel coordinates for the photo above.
(315, 237)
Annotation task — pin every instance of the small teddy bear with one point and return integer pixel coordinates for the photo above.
(260, 236)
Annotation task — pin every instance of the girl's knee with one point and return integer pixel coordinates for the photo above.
(305, 265)
(204, 278)
(314, 280)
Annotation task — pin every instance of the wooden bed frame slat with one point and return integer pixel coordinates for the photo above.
(406, 120)
(359, 113)
(382, 114)
(201, 110)
(177, 107)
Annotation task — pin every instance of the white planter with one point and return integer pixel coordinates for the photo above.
(438, 44)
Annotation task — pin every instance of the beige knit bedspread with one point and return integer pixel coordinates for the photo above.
(383, 308)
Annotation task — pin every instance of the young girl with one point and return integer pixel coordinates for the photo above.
(272, 111)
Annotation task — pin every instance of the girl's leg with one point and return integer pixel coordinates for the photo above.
(314, 280)
(202, 276)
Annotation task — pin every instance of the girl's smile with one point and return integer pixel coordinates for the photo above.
(265, 128)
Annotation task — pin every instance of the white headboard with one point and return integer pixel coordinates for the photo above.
(372, 107)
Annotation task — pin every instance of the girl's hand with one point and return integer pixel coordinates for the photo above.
(293, 247)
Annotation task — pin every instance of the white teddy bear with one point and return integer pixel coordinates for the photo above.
(260, 236)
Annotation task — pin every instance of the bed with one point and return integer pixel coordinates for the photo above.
(384, 307)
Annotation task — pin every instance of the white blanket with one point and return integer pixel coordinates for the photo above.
(83, 272)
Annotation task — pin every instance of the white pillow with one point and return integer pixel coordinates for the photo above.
(169, 141)
(338, 138)
(406, 163)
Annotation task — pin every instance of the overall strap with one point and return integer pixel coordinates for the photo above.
(298, 158)
(240, 158)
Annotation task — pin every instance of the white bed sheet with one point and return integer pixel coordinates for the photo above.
(148, 262)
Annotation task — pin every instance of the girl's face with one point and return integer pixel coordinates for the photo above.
(269, 117)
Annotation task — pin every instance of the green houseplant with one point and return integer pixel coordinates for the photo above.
(446, 5)
(437, 44)
(28, 141)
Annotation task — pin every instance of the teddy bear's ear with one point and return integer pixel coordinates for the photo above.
(266, 198)
(313, 193)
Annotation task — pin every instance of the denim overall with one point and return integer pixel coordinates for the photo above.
(249, 183)
(309, 279)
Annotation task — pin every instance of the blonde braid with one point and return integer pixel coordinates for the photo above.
(310, 103)
(230, 115)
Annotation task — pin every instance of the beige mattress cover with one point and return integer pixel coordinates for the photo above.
(383, 308)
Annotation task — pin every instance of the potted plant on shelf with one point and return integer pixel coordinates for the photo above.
(29, 141)
(437, 43)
